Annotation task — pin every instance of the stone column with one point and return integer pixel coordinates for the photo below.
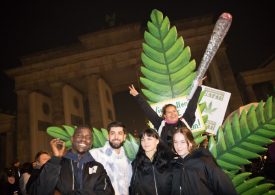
(95, 112)
(228, 79)
(251, 96)
(217, 74)
(57, 103)
(23, 131)
(10, 149)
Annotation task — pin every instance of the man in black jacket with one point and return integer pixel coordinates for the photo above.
(75, 172)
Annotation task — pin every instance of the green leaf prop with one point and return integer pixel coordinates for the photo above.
(69, 129)
(58, 132)
(130, 147)
(98, 138)
(244, 136)
(241, 138)
(247, 186)
(198, 138)
(167, 68)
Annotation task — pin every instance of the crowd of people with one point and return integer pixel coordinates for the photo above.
(167, 162)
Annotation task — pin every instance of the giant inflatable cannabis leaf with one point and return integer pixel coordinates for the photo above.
(242, 138)
(167, 68)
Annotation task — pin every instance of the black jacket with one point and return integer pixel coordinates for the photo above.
(69, 175)
(152, 178)
(167, 131)
(198, 173)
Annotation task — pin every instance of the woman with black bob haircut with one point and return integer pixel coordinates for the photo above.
(195, 170)
(152, 171)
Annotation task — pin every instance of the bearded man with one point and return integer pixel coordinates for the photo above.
(112, 156)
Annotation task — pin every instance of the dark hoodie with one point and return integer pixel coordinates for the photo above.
(198, 173)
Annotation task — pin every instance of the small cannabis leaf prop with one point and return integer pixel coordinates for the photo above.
(209, 108)
(168, 71)
(242, 138)
(99, 138)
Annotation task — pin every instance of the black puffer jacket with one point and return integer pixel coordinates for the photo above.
(198, 173)
(152, 178)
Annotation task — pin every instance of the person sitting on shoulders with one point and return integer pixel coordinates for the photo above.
(170, 118)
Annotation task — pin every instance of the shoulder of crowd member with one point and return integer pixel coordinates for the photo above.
(204, 156)
(138, 96)
(55, 160)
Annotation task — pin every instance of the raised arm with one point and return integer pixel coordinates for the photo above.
(153, 117)
(189, 114)
(47, 180)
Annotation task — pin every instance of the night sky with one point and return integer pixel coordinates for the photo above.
(31, 26)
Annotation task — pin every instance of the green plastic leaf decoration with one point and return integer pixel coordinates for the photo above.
(245, 185)
(202, 106)
(259, 189)
(200, 98)
(242, 138)
(197, 133)
(58, 132)
(68, 144)
(248, 184)
(200, 139)
(205, 118)
(271, 192)
(130, 147)
(64, 133)
(238, 179)
(98, 138)
(168, 71)
(212, 146)
(198, 136)
(105, 133)
(69, 129)
(133, 140)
